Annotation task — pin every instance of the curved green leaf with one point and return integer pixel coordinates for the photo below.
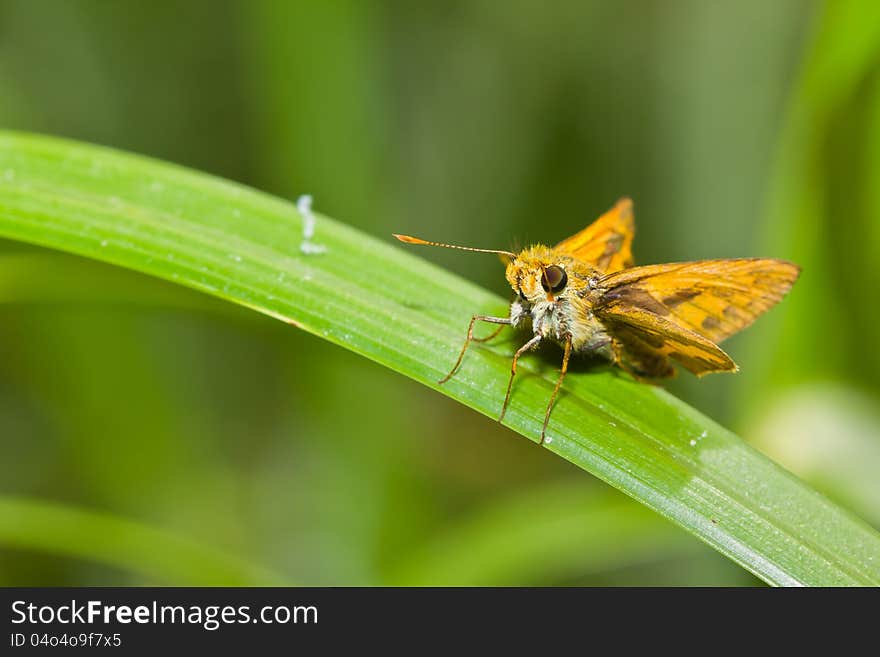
(384, 302)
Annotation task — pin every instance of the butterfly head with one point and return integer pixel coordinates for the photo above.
(538, 275)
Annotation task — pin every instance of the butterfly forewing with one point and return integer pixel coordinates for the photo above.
(606, 244)
(715, 298)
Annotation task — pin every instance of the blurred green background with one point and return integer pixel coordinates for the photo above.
(229, 448)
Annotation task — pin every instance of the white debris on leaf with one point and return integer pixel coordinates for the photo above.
(304, 207)
(694, 441)
(309, 249)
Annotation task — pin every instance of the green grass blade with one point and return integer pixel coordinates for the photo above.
(153, 553)
(381, 300)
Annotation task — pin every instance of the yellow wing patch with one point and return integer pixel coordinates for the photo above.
(607, 242)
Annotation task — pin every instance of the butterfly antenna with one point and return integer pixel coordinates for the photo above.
(415, 240)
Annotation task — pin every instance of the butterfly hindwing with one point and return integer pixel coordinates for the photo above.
(647, 330)
(633, 353)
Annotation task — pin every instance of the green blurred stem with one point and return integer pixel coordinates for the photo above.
(102, 538)
(555, 532)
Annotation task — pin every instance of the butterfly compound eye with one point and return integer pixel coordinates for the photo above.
(554, 279)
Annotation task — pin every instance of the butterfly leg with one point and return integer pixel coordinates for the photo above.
(504, 321)
(491, 335)
(565, 358)
(531, 344)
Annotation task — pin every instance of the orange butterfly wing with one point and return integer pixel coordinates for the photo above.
(635, 326)
(683, 309)
(607, 242)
